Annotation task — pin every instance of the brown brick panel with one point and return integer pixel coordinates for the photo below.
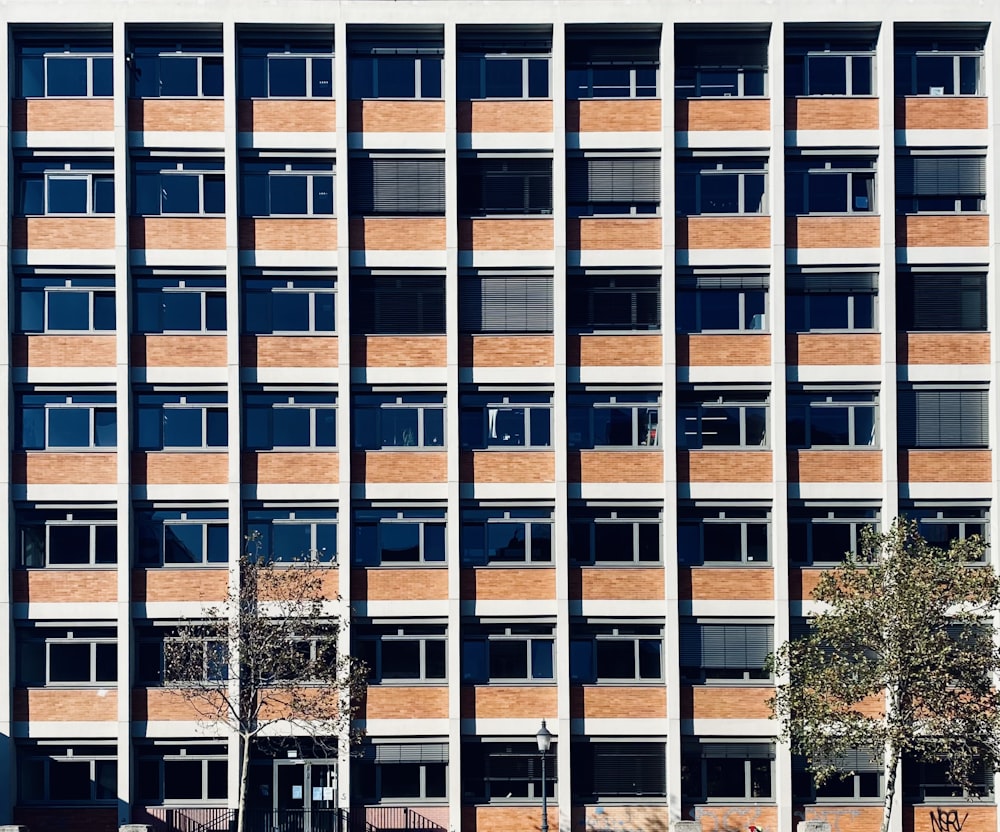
(507, 466)
(398, 702)
(167, 704)
(282, 704)
(849, 817)
(974, 817)
(720, 818)
(397, 233)
(819, 349)
(273, 115)
(514, 702)
(181, 114)
(57, 114)
(944, 466)
(503, 583)
(183, 233)
(280, 589)
(943, 348)
(802, 582)
(505, 350)
(723, 232)
(390, 116)
(173, 468)
(605, 234)
(52, 468)
(425, 583)
(506, 818)
(63, 350)
(621, 702)
(723, 350)
(58, 586)
(288, 234)
(398, 350)
(89, 233)
(725, 702)
(615, 466)
(629, 583)
(614, 350)
(496, 234)
(613, 115)
(722, 114)
(919, 230)
(834, 466)
(288, 350)
(179, 584)
(724, 466)
(65, 705)
(832, 232)
(705, 583)
(939, 113)
(178, 350)
(622, 817)
(399, 466)
(831, 113)
(287, 467)
(76, 819)
(504, 116)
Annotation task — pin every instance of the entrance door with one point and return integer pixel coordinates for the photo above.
(305, 796)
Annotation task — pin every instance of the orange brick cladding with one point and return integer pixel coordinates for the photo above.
(595, 583)
(507, 466)
(390, 116)
(724, 350)
(53, 468)
(59, 586)
(614, 350)
(67, 820)
(398, 350)
(63, 350)
(88, 233)
(403, 466)
(748, 583)
(942, 230)
(832, 232)
(506, 818)
(615, 466)
(727, 114)
(178, 350)
(802, 582)
(169, 114)
(975, 818)
(621, 817)
(719, 818)
(724, 466)
(498, 702)
(316, 234)
(170, 233)
(398, 702)
(725, 702)
(620, 115)
(504, 116)
(833, 350)
(277, 116)
(319, 467)
(944, 466)
(498, 583)
(390, 584)
(723, 232)
(831, 113)
(56, 115)
(847, 818)
(150, 704)
(288, 351)
(55, 705)
(165, 468)
(600, 702)
(397, 233)
(506, 350)
(613, 234)
(943, 348)
(946, 112)
(834, 466)
(170, 584)
(519, 234)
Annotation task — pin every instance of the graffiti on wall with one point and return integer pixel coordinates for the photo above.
(947, 820)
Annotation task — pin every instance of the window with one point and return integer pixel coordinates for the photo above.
(492, 185)
(732, 419)
(942, 525)
(60, 421)
(395, 185)
(189, 69)
(817, 420)
(521, 535)
(74, 187)
(929, 782)
(603, 66)
(285, 535)
(163, 187)
(403, 653)
(65, 303)
(54, 773)
(614, 420)
(180, 304)
(613, 303)
(283, 305)
(818, 535)
(831, 301)
(620, 653)
(839, 185)
(299, 68)
(80, 69)
(723, 186)
(940, 184)
(518, 653)
(710, 65)
(510, 67)
(609, 770)
(299, 420)
(407, 66)
(287, 189)
(156, 645)
(495, 420)
(494, 772)
(612, 186)
(396, 771)
(714, 652)
(727, 536)
(727, 771)
(941, 301)
(404, 305)
(858, 776)
(936, 63)
(383, 537)
(614, 536)
(405, 420)
(59, 537)
(505, 303)
(949, 418)
(190, 773)
(182, 537)
(823, 65)
(170, 421)
(709, 302)
(74, 656)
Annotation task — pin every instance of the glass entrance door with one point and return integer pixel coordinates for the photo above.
(305, 796)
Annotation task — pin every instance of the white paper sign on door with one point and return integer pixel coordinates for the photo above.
(327, 792)
(296, 792)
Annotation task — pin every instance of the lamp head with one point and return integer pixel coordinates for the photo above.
(544, 738)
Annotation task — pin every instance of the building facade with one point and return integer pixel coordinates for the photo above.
(576, 338)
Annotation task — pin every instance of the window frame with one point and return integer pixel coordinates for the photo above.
(208, 403)
(483, 57)
(370, 640)
(590, 519)
(914, 775)
(694, 70)
(259, 523)
(851, 401)
(746, 320)
(805, 169)
(528, 518)
(147, 290)
(27, 50)
(29, 756)
(589, 55)
(317, 403)
(48, 519)
(479, 782)
(313, 171)
(42, 171)
(73, 635)
(855, 517)
(852, 297)
(152, 523)
(262, 289)
(850, 769)
(371, 56)
(636, 757)
(910, 49)
(398, 304)
(727, 675)
(373, 405)
(365, 519)
(48, 287)
(203, 170)
(947, 515)
(470, 409)
(697, 754)
(584, 304)
(585, 407)
(585, 637)
(485, 188)
(368, 774)
(744, 517)
(309, 51)
(952, 285)
(477, 642)
(702, 407)
(698, 168)
(35, 404)
(199, 52)
(971, 428)
(160, 754)
(152, 646)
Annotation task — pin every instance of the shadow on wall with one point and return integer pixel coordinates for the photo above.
(624, 819)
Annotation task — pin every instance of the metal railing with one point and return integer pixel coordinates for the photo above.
(386, 818)
(186, 820)
(296, 820)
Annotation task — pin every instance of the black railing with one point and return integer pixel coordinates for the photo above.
(186, 820)
(296, 820)
(393, 818)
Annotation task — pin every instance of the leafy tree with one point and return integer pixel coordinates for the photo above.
(266, 659)
(901, 662)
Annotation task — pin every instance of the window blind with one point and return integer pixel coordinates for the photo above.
(613, 180)
(727, 646)
(505, 304)
(385, 185)
(398, 305)
(941, 175)
(943, 419)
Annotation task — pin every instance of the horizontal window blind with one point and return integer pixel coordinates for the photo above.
(726, 646)
(614, 303)
(613, 180)
(936, 301)
(628, 768)
(941, 175)
(735, 750)
(723, 281)
(505, 186)
(407, 752)
(398, 305)
(505, 304)
(943, 419)
(832, 282)
(397, 186)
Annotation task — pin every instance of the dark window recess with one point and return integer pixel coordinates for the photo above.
(940, 183)
(285, 66)
(831, 301)
(710, 66)
(164, 68)
(602, 66)
(929, 782)
(722, 302)
(718, 771)
(619, 769)
(504, 186)
(935, 62)
(725, 651)
(398, 305)
(506, 771)
(936, 302)
(390, 771)
(508, 303)
(394, 186)
(943, 419)
(613, 303)
(383, 66)
(613, 186)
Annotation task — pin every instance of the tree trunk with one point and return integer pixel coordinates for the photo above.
(244, 777)
(892, 766)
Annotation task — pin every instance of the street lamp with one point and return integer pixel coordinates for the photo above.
(544, 738)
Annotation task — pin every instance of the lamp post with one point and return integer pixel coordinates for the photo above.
(544, 738)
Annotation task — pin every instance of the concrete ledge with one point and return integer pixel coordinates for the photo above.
(813, 826)
(133, 827)
(686, 826)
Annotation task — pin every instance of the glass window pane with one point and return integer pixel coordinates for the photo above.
(504, 77)
(538, 78)
(66, 76)
(326, 427)
(433, 428)
(613, 426)
(218, 543)
(289, 194)
(720, 193)
(105, 428)
(649, 542)
(103, 81)
(69, 427)
(178, 76)
(69, 545)
(650, 659)
(291, 541)
(107, 779)
(830, 541)
(322, 77)
(400, 659)
(215, 311)
(211, 76)
(400, 542)
(215, 194)
(218, 782)
(399, 427)
(829, 311)
(183, 542)
(104, 195)
(69, 662)
(179, 194)
(541, 427)
(827, 75)
(181, 311)
(322, 195)
(69, 780)
(968, 74)
(106, 544)
(182, 427)
(541, 659)
(506, 426)
(326, 542)
(287, 77)
(217, 428)
(829, 425)
(720, 309)
(614, 541)
(182, 780)
(430, 77)
(32, 74)
(32, 311)
(723, 542)
(32, 196)
(325, 320)
(67, 195)
(827, 193)
(615, 659)
(508, 659)
(107, 663)
(541, 542)
(756, 543)
(505, 542)
(935, 72)
(68, 310)
(396, 77)
(434, 542)
(104, 311)
(291, 311)
(291, 427)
